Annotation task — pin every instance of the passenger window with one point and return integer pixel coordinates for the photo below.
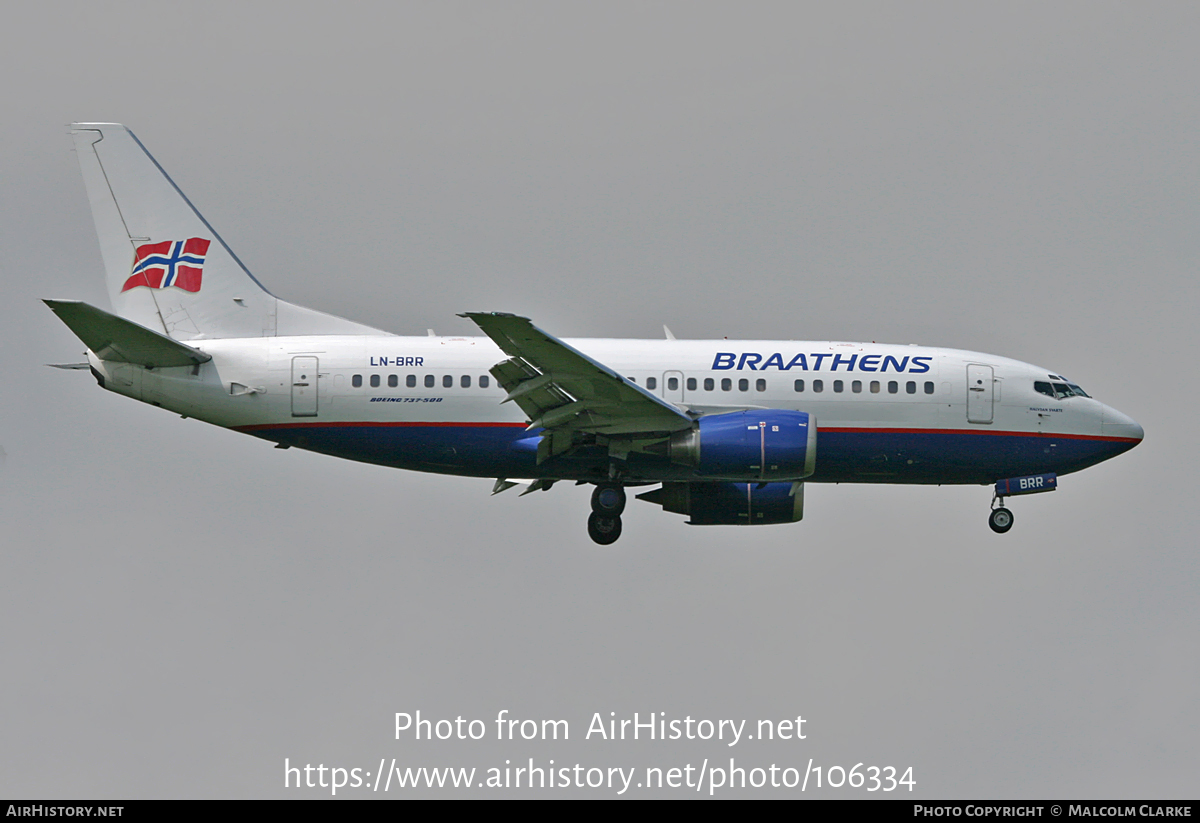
(652, 383)
(708, 384)
(447, 381)
(631, 379)
(893, 387)
(483, 381)
(691, 384)
(928, 387)
(838, 385)
(726, 384)
(374, 381)
(672, 384)
(911, 387)
(465, 382)
(760, 385)
(356, 381)
(411, 381)
(818, 385)
(799, 385)
(874, 387)
(429, 381)
(393, 381)
(856, 387)
(743, 385)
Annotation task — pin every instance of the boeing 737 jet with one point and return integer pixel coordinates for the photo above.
(726, 432)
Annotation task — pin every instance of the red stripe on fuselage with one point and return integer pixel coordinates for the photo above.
(379, 424)
(1060, 435)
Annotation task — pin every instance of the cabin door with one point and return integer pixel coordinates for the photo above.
(304, 387)
(979, 394)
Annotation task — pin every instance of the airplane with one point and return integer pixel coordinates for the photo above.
(727, 432)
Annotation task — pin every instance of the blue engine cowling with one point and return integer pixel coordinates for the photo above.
(770, 444)
(731, 504)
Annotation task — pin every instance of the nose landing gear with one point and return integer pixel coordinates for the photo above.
(1001, 519)
(604, 523)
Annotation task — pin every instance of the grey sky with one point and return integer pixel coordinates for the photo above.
(181, 607)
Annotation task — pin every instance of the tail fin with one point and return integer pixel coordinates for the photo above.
(166, 268)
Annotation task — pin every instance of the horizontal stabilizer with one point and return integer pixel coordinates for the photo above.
(115, 338)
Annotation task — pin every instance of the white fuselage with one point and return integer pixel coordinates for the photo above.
(885, 413)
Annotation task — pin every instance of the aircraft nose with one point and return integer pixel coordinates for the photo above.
(1116, 424)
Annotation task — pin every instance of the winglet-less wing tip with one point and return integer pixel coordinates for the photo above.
(471, 315)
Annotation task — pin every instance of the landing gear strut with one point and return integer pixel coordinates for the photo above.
(1001, 519)
(604, 523)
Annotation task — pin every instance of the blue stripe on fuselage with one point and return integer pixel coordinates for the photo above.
(953, 456)
(843, 456)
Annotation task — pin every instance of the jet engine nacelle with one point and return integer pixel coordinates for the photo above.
(732, 504)
(772, 444)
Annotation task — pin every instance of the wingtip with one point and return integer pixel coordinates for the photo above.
(475, 315)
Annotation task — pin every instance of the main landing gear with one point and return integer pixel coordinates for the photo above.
(604, 523)
(1001, 519)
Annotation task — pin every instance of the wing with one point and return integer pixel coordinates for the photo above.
(564, 391)
(115, 338)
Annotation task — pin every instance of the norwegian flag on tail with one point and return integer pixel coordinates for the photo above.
(176, 263)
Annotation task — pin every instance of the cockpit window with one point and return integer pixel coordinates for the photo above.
(1064, 390)
(1059, 391)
